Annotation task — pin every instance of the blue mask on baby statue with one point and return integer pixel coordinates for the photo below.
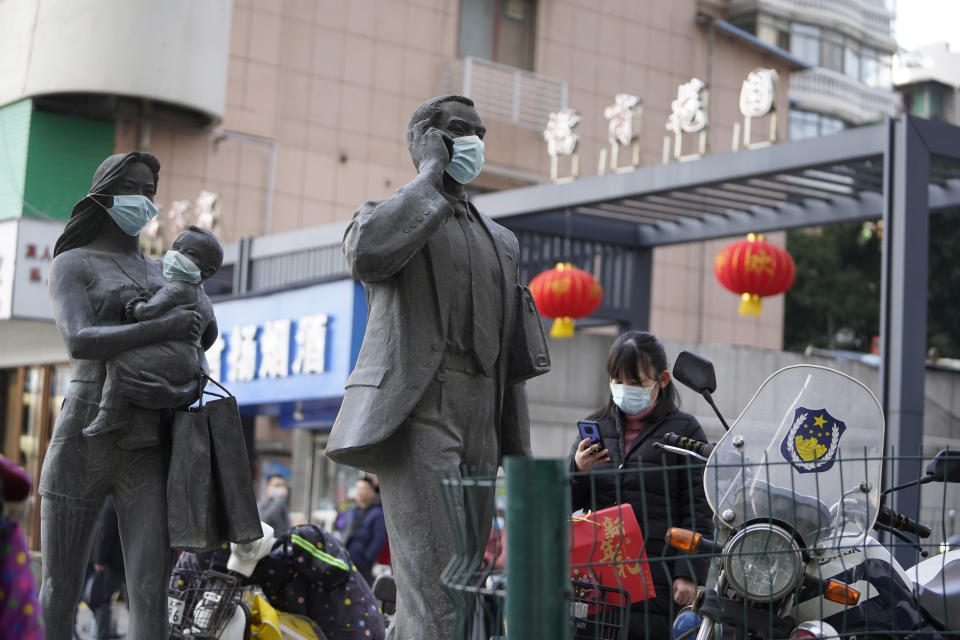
(467, 159)
(132, 213)
(177, 266)
(630, 399)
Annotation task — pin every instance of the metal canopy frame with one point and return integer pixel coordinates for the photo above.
(899, 171)
(806, 183)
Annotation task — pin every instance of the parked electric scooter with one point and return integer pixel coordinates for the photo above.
(794, 486)
(300, 582)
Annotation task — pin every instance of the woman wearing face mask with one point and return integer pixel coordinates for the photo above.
(96, 271)
(665, 490)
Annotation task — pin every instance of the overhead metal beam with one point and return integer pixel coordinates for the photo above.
(592, 227)
(847, 146)
(813, 213)
(940, 138)
(946, 196)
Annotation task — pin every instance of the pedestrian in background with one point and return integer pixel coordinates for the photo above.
(273, 508)
(365, 533)
(107, 560)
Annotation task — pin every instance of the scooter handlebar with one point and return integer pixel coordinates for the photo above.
(891, 518)
(682, 442)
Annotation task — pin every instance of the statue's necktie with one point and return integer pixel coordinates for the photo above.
(486, 342)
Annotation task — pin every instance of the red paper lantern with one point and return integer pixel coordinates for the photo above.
(754, 269)
(565, 293)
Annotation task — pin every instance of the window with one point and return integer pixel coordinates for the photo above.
(926, 103)
(875, 68)
(805, 42)
(783, 39)
(810, 124)
(916, 103)
(936, 104)
(831, 52)
(802, 125)
(498, 30)
(30, 399)
(851, 61)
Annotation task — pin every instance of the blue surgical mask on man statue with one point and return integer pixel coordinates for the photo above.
(467, 159)
(630, 399)
(177, 266)
(132, 213)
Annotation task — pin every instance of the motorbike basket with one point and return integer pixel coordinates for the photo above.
(599, 612)
(200, 603)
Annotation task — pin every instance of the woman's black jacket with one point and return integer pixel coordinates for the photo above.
(665, 489)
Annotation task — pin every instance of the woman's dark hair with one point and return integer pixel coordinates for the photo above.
(630, 351)
(89, 214)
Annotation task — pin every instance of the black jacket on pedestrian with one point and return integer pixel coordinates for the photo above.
(365, 535)
(665, 489)
(106, 548)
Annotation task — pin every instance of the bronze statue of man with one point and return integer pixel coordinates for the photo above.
(434, 387)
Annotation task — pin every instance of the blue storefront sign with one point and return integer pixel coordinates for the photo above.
(289, 353)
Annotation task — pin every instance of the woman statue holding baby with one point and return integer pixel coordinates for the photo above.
(97, 272)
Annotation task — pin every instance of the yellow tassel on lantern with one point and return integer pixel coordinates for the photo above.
(750, 304)
(562, 328)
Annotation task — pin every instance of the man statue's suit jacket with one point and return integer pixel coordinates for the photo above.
(392, 248)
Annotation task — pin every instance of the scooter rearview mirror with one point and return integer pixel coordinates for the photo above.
(695, 372)
(945, 466)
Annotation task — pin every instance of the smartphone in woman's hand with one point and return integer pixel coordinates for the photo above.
(590, 429)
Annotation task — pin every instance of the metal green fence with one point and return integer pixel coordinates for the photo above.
(573, 575)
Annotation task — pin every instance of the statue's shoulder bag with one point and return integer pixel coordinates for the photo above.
(528, 355)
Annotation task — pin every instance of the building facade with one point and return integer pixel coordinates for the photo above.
(928, 79)
(849, 44)
(293, 113)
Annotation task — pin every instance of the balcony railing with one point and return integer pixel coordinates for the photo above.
(868, 17)
(827, 91)
(505, 93)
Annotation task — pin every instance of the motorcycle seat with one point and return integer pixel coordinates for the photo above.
(937, 583)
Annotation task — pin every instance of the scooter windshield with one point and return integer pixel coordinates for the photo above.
(806, 454)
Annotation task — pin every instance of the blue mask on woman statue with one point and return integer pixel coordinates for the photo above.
(132, 213)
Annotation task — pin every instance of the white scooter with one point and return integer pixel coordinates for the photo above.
(794, 486)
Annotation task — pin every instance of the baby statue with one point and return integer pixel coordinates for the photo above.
(196, 255)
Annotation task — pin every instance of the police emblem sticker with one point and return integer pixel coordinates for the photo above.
(810, 445)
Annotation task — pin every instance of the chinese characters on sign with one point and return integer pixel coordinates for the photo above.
(757, 93)
(563, 140)
(26, 252)
(38, 257)
(275, 347)
(311, 345)
(623, 130)
(264, 351)
(688, 115)
(757, 99)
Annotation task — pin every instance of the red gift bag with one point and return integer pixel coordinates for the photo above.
(608, 549)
